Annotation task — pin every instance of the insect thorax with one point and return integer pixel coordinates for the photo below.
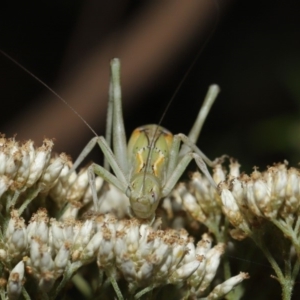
(148, 150)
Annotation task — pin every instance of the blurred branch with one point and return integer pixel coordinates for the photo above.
(151, 42)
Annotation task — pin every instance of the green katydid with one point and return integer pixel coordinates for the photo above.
(150, 166)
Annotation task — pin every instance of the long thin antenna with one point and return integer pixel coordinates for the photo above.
(181, 83)
(192, 64)
(51, 90)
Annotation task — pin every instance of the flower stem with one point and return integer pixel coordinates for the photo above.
(67, 275)
(285, 280)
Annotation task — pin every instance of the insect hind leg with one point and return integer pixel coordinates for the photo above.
(194, 133)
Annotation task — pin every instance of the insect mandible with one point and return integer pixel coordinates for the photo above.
(148, 168)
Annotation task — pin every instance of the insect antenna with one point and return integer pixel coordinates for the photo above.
(50, 89)
(188, 71)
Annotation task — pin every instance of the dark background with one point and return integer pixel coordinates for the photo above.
(253, 55)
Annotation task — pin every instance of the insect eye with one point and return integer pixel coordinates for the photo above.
(153, 195)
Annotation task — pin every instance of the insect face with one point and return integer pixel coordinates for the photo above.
(144, 195)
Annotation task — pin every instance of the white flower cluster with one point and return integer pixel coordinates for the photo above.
(21, 166)
(273, 195)
(265, 206)
(27, 172)
(128, 249)
(199, 198)
(75, 190)
(46, 248)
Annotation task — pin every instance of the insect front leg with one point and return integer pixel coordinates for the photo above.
(180, 168)
(107, 176)
(175, 169)
(175, 174)
(200, 158)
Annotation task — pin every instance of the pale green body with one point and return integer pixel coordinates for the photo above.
(148, 168)
(148, 155)
(149, 149)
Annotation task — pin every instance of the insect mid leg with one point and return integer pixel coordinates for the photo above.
(84, 153)
(191, 146)
(119, 181)
(108, 154)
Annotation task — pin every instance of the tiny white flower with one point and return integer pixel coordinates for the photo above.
(15, 281)
(185, 271)
(225, 287)
(52, 172)
(40, 162)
